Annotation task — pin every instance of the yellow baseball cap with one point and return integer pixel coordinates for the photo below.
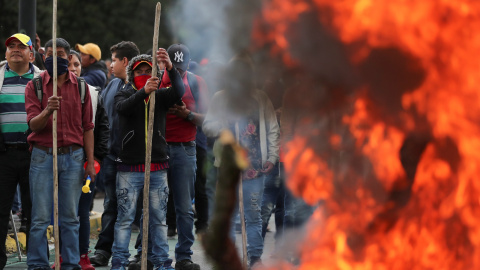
(90, 48)
(24, 39)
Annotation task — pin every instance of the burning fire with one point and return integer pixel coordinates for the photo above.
(396, 153)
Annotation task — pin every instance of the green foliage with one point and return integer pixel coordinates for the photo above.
(104, 22)
(8, 20)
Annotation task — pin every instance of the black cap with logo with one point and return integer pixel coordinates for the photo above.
(179, 55)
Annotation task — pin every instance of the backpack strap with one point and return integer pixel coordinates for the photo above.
(37, 85)
(81, 88)
(193, 83)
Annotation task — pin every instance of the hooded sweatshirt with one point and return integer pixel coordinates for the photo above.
(133, 112)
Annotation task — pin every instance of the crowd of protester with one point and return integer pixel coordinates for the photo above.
(102, 116)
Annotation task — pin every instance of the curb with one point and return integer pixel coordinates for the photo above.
(11, 245)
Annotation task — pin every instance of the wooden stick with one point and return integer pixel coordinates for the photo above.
(217, 241)
(242, 222)
(54, 150)
(148, 152)
(241, 208)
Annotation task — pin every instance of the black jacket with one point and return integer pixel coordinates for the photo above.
(133, 116)
(101, 131)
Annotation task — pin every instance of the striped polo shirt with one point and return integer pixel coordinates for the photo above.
(13, 118)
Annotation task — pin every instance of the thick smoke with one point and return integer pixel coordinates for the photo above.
(319, 88)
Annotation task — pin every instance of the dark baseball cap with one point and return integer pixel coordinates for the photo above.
(179, 55)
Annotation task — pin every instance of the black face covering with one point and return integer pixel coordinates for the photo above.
(62, 65)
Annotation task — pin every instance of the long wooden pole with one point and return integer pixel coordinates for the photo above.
(217, 243)
(241, 208)
(148, 152)
(54, 152)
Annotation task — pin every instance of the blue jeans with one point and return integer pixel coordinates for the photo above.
(17, 201)
(70, 173)
(252, 198)
(181, 177)
(129, 187)
(109, 216)
(273, 197)
(211, 183)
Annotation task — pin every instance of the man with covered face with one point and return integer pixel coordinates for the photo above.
(74, 142)
(132, 104)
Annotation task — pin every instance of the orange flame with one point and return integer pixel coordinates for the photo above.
(302, 163)
(424, 213)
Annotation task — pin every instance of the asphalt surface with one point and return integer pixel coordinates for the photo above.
(198, 256)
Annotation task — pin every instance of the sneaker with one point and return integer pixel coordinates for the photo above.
(186, 264)
(167, 265)
(134, 259)
(171, 232)
(99, 259)
(117, 264)
(138, 265)
(85, 262)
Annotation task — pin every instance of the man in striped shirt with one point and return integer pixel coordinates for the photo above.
(15, 73)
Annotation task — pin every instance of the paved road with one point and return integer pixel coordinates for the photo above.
(198, 253)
